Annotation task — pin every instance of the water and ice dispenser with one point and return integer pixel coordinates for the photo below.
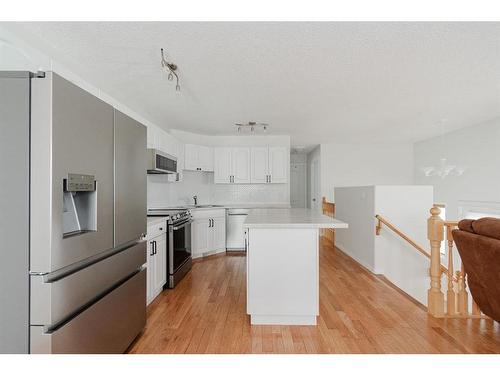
(79, 205)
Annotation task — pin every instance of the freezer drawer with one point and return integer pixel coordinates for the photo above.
(54, 301)
(106, 327)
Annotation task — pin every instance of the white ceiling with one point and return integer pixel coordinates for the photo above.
(318, 82)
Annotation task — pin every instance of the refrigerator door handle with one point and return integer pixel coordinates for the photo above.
(74, 268)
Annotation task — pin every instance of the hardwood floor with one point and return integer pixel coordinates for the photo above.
(359, 313)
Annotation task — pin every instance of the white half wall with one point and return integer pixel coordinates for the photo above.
(407, 207)
(356, 206)
(475, 148)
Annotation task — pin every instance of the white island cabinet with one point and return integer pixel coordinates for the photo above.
(283, 265)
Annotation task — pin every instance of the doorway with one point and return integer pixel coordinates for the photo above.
(315, 178)
(298, 185)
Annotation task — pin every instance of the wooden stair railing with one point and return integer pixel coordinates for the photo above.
(419, 248)
(328, 210)
(457, 295)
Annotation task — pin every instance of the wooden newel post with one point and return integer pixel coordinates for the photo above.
(435, 297)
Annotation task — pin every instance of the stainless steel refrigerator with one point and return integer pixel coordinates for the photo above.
(73, 213)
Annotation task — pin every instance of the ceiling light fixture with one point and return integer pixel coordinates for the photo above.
(252, 126)
(171, 68)
(443, 169)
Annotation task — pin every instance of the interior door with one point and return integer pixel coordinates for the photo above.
(222, 165)
(315, 182)
(240, 160)
(259, 165)
(278, 165)
(130, 179)
(298, 185)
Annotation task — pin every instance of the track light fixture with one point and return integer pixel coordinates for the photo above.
(252, 126)
(171, 68)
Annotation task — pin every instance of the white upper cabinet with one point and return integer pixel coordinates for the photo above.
(232, 165)
(191, 157)
(278, 165)
(206, 158)
(240, 160)
(222, 165)
(269, 165)
(259, 165)
(198, 158)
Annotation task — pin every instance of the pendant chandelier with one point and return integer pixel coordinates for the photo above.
(443, 169)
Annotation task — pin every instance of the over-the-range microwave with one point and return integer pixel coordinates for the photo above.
(160, 162)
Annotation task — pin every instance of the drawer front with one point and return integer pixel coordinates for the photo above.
(156, 230)
(52, 302)
(208, 214)
(108, 326)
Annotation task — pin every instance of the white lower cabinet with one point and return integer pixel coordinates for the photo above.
(157, 260)
(199, 237)
(208, 232)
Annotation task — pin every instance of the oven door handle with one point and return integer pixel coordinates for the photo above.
(183, 225)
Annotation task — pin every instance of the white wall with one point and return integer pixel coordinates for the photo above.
(407, 207)
(365, 164)
(17, 54)
(475, 148)
(356, 206)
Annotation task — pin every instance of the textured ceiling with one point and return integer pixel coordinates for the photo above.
(318, 82)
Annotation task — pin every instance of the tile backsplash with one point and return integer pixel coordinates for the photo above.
(162, 193)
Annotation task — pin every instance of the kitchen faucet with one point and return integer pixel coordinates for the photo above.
(195, 197)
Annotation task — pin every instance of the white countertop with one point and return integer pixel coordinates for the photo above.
(232, 205)
(290, 218)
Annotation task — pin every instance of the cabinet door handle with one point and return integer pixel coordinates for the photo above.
(154, 248)
(269, 178)
(152, 252)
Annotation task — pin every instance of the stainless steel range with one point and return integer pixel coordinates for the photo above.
(179, 259)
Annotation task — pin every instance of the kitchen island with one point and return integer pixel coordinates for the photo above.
(283, 265)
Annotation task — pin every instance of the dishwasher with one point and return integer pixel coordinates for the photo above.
(235, 233)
